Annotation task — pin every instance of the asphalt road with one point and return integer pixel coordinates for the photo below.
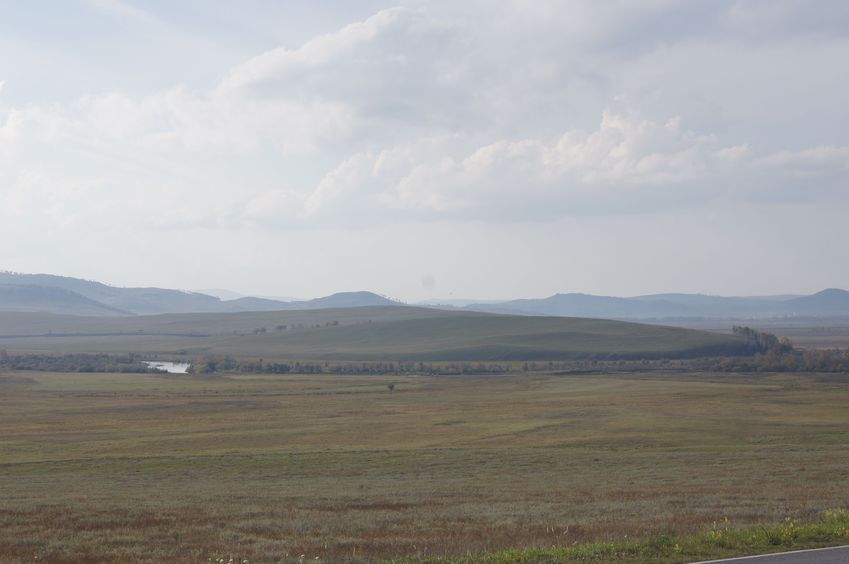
(835, 555)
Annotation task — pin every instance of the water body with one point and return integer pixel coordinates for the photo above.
(171, 367)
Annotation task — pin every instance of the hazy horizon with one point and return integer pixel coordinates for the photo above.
(227, 294)
(427, 150)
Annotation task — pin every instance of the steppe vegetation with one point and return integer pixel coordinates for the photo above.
(510, 467)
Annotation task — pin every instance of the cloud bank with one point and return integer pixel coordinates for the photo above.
(442, 113)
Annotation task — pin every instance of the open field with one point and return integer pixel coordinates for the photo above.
(367, 333)
(179, 469)
(805, 332)
(818, 336)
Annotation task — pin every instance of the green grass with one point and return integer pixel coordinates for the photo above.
(377, 333)
(106, 467)
(721, 540)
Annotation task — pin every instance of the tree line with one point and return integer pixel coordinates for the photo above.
(212, 365)
(767, 353)
(73, 363)
(761, 341)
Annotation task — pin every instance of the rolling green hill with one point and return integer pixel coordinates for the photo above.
(364, 333)
(486, 338)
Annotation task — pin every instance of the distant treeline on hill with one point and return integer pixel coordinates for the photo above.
(767, 353)
(227, 364)
(777, 354)
(73, 363)
(761, 341)
(775, 360)
(792, 361)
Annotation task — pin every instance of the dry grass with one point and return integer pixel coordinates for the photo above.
(147, 468)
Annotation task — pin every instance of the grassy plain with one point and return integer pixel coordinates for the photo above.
(103, 467)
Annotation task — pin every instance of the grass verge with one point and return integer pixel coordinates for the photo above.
(721, 540)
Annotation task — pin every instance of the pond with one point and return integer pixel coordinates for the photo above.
(167, 366)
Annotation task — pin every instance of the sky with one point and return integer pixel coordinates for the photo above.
(428, 149)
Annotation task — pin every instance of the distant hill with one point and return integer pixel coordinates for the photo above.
(469, 337)
(828, 303)
(585, 305)
(139, 301)
(66, 295)
(342, 299)
(34, 298)
(252, 304)
(345, 299)
(220, 293)
(360, 333)
(454, 302)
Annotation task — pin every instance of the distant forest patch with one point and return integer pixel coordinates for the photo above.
(73, 363)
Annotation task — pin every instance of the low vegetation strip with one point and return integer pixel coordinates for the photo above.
(777, 359)
(72, 363)
(721, 540)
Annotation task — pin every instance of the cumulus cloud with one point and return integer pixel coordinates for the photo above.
(350, 87)
(447, 110)
(217, 121)
(424, 69)
(447, 137)
(627, 164)
(30, 125)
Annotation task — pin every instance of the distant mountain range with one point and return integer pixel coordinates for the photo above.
(64, 295)
(827, 303)
(73, 296)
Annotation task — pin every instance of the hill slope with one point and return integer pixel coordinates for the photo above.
(34, 298)
(828, 302)
(491, 338)
(365, 333)
(140, 301)
(585, 305)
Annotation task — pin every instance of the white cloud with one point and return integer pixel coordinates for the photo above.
(31, 125)
(10, 131)
(811, 159)
(461, 111)
(628, 164)
(274, 207)
(427, 70)
(319, 52)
